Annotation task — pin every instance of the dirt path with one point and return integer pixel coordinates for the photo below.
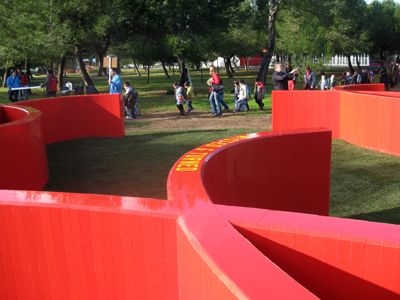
(168, 120)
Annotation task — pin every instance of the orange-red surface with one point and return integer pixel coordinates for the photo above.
(208, 241)
(364, 114)
(23, 156)
(26, 127)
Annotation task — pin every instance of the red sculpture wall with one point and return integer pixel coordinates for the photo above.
(301, 109)
(23, 156)
(72, 117)
(202, 243)
(24, 132)
(362, 114)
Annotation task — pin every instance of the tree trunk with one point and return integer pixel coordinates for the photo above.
(79, 61)
(183, 71)
(136, 67)
(358, 65)
(230, 64)
(5, 76)
(101, 58)
(350, 65)
(148, 74)
(236, 66)
(61, 71)
(273, 9)
(246, 66)
(228, 71)
(165, 69)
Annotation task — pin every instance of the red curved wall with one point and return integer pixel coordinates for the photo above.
(363, 114)
(24, 132)
(302, 109)
(301, 161)
(198, 245)
(72, 117)
(23, 156)
(83, 246)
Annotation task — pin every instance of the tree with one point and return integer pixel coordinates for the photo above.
(383, 22)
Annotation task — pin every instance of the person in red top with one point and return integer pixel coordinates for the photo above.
(215, 87)
(24, 82)
(259, 93)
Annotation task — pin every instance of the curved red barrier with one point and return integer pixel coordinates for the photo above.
(363, 114)
(72, 117)
(24, 132)
(206, 242)
(23, 153)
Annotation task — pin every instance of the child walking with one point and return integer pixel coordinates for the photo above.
(130, 98)
(190, 96)
(179, 97)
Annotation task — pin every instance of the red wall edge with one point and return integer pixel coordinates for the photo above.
(22, 150)
(302, 109)
(26, 127)
(71, 117)
(76, 246)
(194, 180)
(363, 114)
(333, 258)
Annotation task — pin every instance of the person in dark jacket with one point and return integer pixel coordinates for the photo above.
(280, 78)
(384, 76)
(130, 98)
(259, 93)
(309, 79)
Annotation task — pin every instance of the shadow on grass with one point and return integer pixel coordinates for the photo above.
(136, 165)
(391, 216)
(364, 184)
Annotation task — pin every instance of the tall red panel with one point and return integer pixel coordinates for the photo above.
(301, 109)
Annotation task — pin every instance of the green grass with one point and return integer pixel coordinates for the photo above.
(153, 95)
(135, 165)
(364, 184)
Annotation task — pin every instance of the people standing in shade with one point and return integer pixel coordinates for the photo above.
(291, 82)
(392, 71)
(236, 95)
(280, 78)
(342, 78)
(13, 82)
(384, 76)
(115, 82)
(309, 79)
(24, 83)
(331, 82)
(322, 83)
(348, 78)
(129, 101)
(179, 97)
(243, 95)
(190, 96)
(50, 84)
(259, 93)
(222, 101)
(215, 84)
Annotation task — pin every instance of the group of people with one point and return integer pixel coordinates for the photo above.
(216, 96)
(130, 98)
(18, 79)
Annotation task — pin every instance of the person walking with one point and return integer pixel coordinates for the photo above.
(280, 78)
(309, 79)
(13, 82)
(115, 82)
(216, 86)
(259, 93)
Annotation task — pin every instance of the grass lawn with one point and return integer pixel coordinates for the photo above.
(364, 184)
